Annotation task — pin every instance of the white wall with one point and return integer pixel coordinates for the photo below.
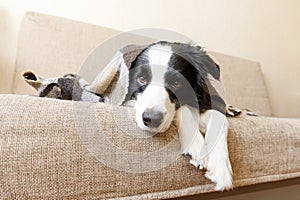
(267, 31)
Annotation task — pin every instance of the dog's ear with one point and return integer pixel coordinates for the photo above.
(32, 79)
(112, 82)
(210, 95)
(199, 58)
(218, 67)
(203, 94)
(131, 53)
(133, 87)
(210, 91)
(138, 55)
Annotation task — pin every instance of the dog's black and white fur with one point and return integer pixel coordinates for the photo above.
(169, 82)
(176, 81)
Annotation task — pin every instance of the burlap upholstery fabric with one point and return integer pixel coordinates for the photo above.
(42, 155)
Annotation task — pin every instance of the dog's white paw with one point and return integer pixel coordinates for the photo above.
(219, 171)
(194, 152)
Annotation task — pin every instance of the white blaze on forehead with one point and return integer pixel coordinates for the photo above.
(159, 54)
(159, 57)
(155, 94)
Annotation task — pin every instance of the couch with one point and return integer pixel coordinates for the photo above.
(44, 157)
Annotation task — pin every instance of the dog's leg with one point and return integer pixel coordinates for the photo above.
(192, 141)
(217, 160)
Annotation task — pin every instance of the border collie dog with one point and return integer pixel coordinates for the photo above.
(181, 83)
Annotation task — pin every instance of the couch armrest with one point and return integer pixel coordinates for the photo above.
(43, 156)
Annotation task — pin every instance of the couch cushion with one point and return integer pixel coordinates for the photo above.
(53, 46)
(43, 154)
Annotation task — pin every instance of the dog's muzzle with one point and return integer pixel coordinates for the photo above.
(153, 117)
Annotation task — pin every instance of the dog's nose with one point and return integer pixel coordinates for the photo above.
(153, 117)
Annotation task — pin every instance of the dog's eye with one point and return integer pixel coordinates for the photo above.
(176, 85)
(142, 80)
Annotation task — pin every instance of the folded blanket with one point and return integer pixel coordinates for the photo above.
(66, 87)
(110, 86)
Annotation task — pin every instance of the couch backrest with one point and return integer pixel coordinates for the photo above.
(53, 46)
(244, 83)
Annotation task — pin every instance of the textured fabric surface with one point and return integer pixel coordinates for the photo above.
(54, 46)
(244, 83)
(43, 154)
(66, 44)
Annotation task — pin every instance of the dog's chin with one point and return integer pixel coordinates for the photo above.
(156, 130)
(153, 131)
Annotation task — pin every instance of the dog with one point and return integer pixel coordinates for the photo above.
(177, 82)
(168, 82)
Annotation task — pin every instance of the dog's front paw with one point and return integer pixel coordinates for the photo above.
(198, 163)
(194, 153)
(219, 172)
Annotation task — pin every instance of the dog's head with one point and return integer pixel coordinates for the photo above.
(166, 76)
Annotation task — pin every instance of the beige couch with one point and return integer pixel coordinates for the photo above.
(44, 156)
